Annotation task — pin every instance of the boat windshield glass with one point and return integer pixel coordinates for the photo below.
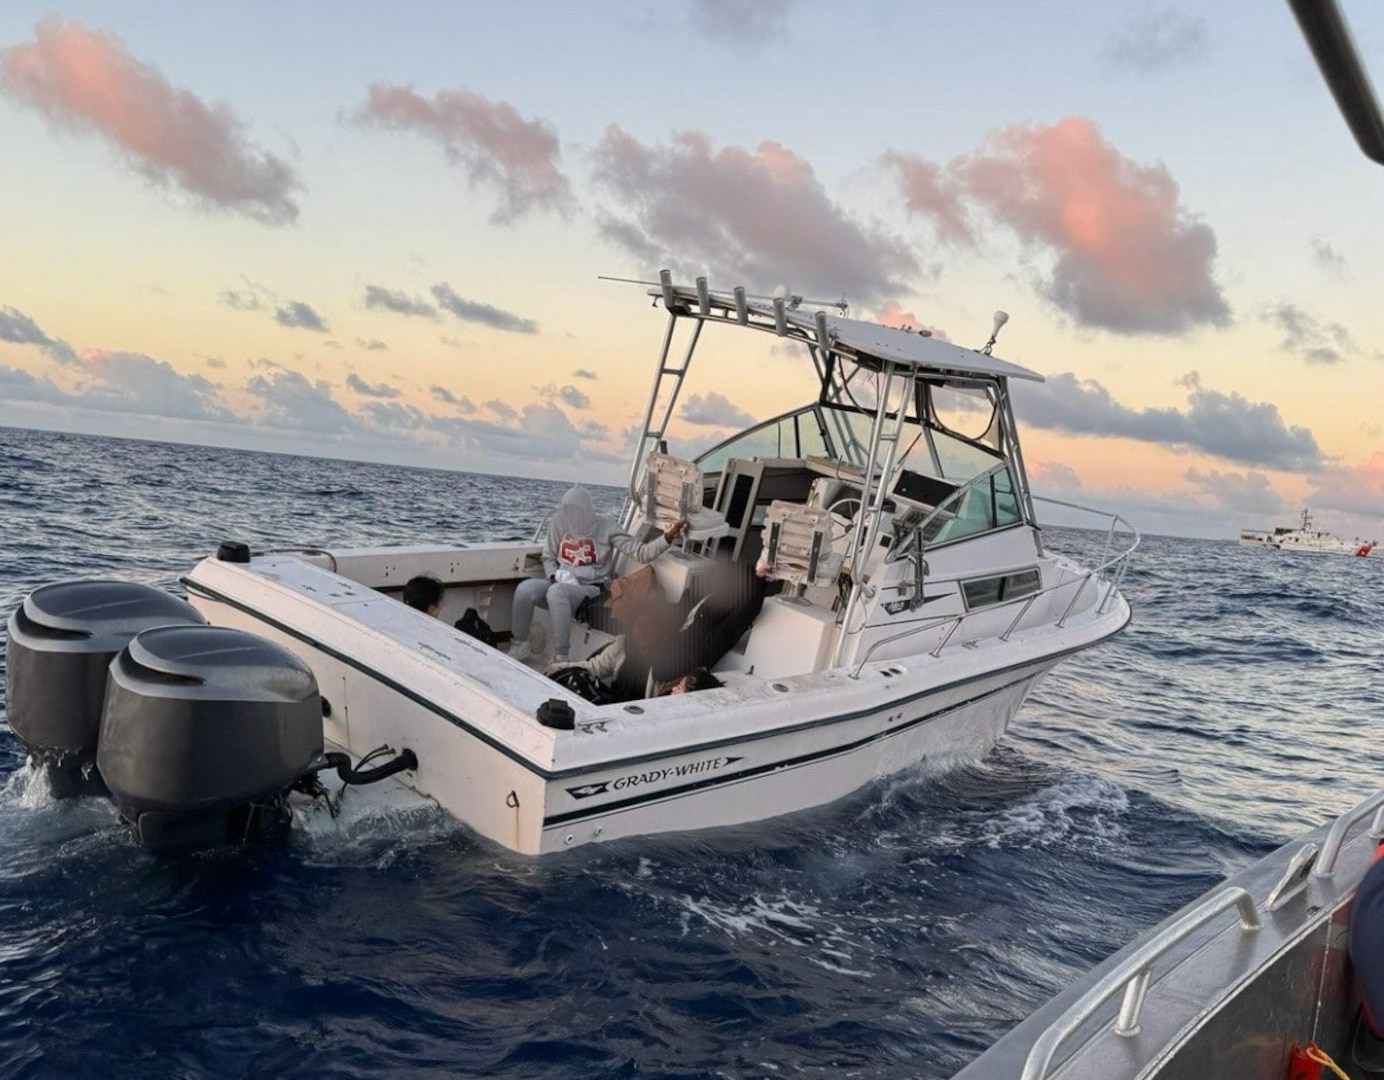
(956, 459)
(794, 435)
(799, 435)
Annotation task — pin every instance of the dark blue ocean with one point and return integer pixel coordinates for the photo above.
(895, 934)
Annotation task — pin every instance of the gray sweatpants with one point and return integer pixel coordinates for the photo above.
(560, 600)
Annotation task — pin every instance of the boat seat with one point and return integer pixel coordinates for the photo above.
(797, 545)
(672, 491)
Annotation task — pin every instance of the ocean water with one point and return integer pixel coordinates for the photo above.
(895, 934)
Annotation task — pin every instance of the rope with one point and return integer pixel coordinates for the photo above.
(1321, 1057)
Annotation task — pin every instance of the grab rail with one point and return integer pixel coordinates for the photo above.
(1119, 563)
(1340, 828)
(1132, 976)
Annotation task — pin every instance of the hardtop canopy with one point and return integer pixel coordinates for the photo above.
(865, 343)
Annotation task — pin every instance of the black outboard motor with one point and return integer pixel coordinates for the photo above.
(61, 643)
(205, 730)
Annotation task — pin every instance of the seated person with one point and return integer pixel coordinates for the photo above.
(643, 660)
(733, 596)
(696, 679)
(424, 592)
(578, 560)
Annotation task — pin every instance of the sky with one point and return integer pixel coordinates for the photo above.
(378, 233)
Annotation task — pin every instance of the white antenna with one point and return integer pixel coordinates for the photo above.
(1001, 317)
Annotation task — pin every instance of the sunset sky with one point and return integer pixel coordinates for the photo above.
(376, 233)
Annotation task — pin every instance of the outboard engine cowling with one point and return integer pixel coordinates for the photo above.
(204, 731)
(60, 646)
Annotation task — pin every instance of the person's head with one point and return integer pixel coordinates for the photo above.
(576, 514)
(694, 680)
(424, 592)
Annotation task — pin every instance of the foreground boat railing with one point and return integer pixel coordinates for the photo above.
(1325, 865)
(1109, 571)
(1132, 977)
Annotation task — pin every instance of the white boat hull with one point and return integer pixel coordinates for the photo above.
(750, 751)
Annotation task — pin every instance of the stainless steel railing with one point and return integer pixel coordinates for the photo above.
(1132, 977)
(1109, 571)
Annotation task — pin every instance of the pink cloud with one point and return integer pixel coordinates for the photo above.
(931, 191)
(85, 81)
(1127, 255)
(488, 139)
(893, 314)
(1354, 489)
(760, 216)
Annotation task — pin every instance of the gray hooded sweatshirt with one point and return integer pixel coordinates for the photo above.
(582, 541)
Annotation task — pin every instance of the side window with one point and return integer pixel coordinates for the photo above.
(985, 592)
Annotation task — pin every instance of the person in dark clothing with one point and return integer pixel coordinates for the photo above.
(424, 592)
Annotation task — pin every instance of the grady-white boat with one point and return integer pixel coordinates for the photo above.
(919, 605)
(913, 605)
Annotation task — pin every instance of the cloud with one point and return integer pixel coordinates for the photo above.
(298, 315)
(1126, 256)
(215, 362)
(377, 296)
(136, 383)
(893, 314)
(1353, 489)
(1248, 492)
(1222, 425)
(240, 299)
(17, 384)
(394, 415)
(122, 382)
(477, 312)
(1312, 339)
(585, 373)
(442, 394)
(374, 390)
(744, 26)
(932, 191)
(715, 410)
(289, 400)
(371, 344)
(569, 395)
(1157, 40)
(1054, 476)
(762, 214)
(488, 140)
(456, 342)
(84, 81)
(501, 409)
(1328, 257)
(18, 329)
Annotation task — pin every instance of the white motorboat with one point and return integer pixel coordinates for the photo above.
(1308, 539)
(916, 606)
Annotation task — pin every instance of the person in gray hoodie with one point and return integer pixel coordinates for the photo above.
(578, 559)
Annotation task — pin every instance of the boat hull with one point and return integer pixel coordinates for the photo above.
(757, 748)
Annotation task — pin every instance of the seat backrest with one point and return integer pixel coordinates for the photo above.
(797, 545)
(671, 490)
